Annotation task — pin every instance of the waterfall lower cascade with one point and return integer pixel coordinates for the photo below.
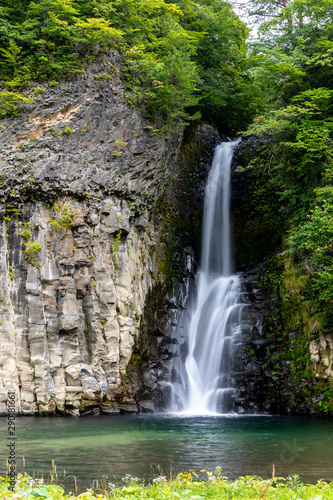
(207, 385)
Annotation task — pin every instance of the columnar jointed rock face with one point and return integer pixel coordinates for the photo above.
(80, 172)
(70, 315)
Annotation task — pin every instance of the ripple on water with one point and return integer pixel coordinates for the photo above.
(90, 447)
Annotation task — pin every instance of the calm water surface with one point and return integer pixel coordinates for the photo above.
(92, 447)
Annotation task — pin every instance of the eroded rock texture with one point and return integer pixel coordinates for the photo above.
(80, 175)
(71, 310)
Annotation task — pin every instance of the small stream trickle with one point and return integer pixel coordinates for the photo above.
(206, 384)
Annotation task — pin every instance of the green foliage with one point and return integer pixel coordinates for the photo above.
(119, 147)
(291, 68)
(179, 59)
(311, 245)
(226, 92)
(159, 71)
(12, 103)
(326, 401)
(65, 219)
(49, 38)
(293, 50)
(276, 75)
(293, 72)
(25, 232)
(185, 486)
(11, 273)
(115, 249)
(300, 136)
(31, 250)
(29, 488)
(68, 130)
(98, 31)
(164, 94)
(14, 63)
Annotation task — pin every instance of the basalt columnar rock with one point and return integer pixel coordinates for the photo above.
(81, 172)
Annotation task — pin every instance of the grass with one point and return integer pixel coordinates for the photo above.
(186, 486)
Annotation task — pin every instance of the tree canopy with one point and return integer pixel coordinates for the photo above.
(292, 64)
(180, 58)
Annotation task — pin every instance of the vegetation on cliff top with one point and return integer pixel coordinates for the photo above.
(180, 59)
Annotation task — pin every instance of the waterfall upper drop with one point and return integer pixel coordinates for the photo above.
(206, 383)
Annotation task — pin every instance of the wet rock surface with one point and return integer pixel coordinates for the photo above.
(264, 376)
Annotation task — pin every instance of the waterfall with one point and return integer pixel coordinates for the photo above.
(206, 383)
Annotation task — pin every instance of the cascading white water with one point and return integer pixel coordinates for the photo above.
(207, 385)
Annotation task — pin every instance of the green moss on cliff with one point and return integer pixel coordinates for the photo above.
(293, 324)
(180, 210)
(258, 218)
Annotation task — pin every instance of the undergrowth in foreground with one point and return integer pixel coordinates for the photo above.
(185, 486)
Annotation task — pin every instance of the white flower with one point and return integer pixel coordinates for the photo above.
(128, 478)
(159, 479)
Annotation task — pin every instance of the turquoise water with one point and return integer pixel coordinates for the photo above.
(92, 447)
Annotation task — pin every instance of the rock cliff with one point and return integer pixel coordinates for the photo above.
(284, 359)
(81, 173)
(99, 243)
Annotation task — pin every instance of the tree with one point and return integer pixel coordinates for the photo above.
(180, 59)
(227, 95)
(292, 67)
